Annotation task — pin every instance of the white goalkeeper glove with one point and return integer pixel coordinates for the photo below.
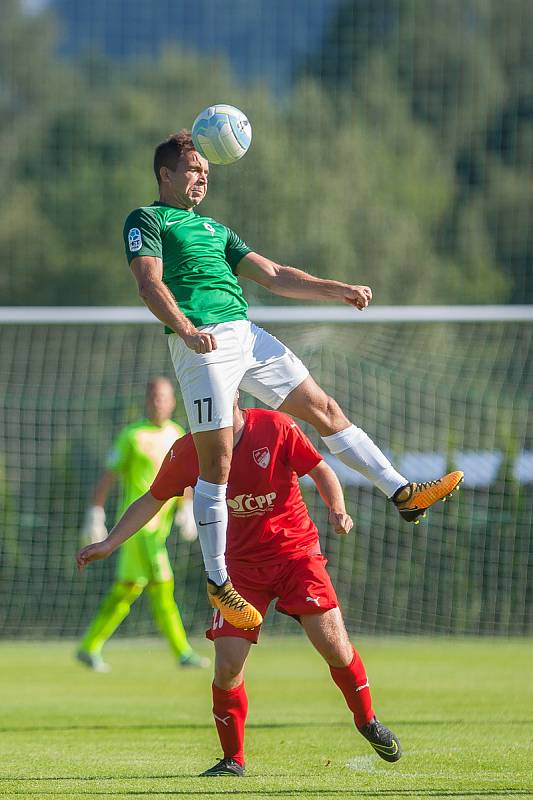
(184, 519)
(93, 528)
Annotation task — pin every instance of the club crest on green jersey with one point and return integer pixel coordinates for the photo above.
(209, 228)
(135, 241)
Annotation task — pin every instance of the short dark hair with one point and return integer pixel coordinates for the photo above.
(167, 153)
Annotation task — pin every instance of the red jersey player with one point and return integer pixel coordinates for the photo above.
(273, 552)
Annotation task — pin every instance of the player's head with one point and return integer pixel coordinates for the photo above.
(181, 172)
(160, 399)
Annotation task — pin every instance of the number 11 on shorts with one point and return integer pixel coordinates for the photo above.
(209, 408)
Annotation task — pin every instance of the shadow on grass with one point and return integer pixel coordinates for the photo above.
(287, 792)
(176, 726)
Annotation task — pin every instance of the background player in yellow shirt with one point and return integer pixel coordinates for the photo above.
(143, 560)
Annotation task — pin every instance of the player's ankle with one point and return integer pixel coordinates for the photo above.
(403, 493)
(217, 576)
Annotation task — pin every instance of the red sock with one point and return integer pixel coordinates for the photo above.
(230, 707)
(353, 683)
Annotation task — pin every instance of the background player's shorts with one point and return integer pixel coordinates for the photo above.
(302, 586)
(246, 357)
(144, 559)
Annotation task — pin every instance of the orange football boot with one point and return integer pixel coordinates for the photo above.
(413, 500)
(234, 608)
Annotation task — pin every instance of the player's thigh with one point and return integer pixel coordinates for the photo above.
(309, 402)
(304, 586)
(327, 633)
(272, 370)
(208, 381)
(231, 653)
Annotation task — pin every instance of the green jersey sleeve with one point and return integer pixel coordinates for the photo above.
(235, 249)
(119, 454)
(142, 234)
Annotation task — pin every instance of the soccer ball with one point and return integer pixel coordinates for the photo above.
(222, 134)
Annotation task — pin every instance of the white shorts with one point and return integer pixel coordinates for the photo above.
(246, 357)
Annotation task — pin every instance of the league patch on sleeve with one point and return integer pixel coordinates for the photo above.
(135, 241)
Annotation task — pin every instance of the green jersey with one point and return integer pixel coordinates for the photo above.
(136, 457)
(199, 259)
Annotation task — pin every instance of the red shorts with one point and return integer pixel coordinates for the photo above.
(302, 586)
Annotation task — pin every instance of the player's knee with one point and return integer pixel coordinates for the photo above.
(214, 449)
(333, 412)
(327, 413)
(338, 649)
(228, 671)
(339, 654)
(216, 472)
(215, 467)
(128, 591)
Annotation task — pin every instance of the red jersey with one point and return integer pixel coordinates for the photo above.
(268, 520)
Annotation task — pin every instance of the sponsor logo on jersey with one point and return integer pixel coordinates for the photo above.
(209, 228)
(262, 457)
(135, 241)
(246, 505)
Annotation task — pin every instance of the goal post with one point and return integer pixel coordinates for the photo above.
(435, 387)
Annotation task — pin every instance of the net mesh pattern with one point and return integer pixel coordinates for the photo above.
(433, 396)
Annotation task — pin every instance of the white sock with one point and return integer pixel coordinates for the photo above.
(355, 449)
(211, 518)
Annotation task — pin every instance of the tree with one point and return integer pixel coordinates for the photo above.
(464, 67)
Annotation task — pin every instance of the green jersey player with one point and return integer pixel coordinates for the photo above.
(143, 560)
(186, 267)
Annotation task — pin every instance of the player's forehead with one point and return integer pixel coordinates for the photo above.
(191, 158)
(160, 386)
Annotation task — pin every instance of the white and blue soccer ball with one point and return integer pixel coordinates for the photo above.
(222, 134)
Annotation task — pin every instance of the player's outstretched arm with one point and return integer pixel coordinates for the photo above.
(134, 518)
(295, 283)
(331, 493)
(148, 272)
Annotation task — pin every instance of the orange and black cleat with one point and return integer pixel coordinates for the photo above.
(234, 608)
(413, 500)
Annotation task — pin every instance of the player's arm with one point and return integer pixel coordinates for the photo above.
(148, 272)
(295, 283)
(134, 518)
(331, 493)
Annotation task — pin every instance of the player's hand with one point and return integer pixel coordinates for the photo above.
(93, 529)
(184, 519)
(200, 342)
(358, 296)
(342, 523)
(93, 552)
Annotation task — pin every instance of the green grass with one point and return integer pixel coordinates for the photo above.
(461, 707)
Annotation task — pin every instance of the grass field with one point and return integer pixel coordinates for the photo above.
(463, 709)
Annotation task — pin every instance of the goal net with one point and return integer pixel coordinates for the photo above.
(436, 388)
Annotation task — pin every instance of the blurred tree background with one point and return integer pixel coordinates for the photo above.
(393, 145)
(393, 140)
